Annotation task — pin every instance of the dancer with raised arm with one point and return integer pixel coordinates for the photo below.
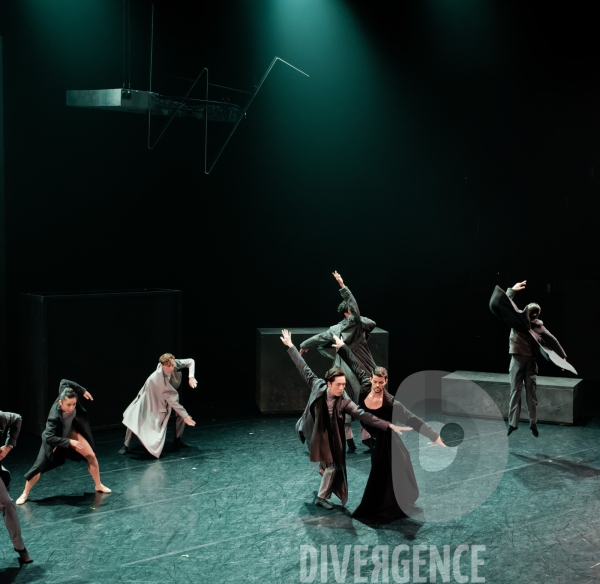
(528, 337)
(322, 425)
(355, 329)
(10, 426)
(147, 416)
(67, 435)
(380, 501)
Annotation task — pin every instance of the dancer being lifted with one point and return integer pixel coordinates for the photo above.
(528, 337)
(380, 501)
(322, 425)
(67, 435)
(10, 425)
(147, 416)
(355, 329)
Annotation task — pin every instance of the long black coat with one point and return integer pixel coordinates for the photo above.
(52, 438)
(381, 500)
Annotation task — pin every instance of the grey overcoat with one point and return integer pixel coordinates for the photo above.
(147, 416)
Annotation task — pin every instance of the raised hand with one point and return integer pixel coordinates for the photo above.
(193, 383)
(286, 339)
(339, 279)
(88, 395)
(519, 286)
(338, 341)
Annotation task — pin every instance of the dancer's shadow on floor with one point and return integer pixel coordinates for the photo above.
(406, 527)
(336, 518)
(575, 470)
(140, 454)
(25, 574)
(86, 501)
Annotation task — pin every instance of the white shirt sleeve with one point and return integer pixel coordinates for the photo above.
(190, 364)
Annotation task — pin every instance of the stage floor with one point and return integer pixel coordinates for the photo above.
(238, 507)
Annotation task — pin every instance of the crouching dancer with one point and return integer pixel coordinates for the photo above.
(148, 414)
(322, 425)
(67, 435)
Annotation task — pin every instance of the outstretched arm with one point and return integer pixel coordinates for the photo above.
(172, 397)
(191, 365)
(359, 414)
(348, 357)
(347, 295)
(516, 288)
(405, 416)
(311, 379)
(80, 390)
(552, 342)
(319, 340)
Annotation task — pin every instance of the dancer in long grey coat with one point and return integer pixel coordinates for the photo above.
(147, 416)
(355, 330)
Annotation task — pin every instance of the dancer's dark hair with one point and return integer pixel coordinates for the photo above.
(332, 373)
(67, 393)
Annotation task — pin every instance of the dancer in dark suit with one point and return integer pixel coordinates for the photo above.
(10, 425)
(67, 435)
(355, 330)
(322, 425)
(528, 338)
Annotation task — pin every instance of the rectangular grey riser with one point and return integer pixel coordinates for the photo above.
(558, 398)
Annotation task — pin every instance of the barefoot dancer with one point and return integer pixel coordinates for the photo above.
(67, 435)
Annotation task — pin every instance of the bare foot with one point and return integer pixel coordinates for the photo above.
(102, 489)
(21, 499)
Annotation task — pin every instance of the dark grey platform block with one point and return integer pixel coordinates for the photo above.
(558, 397)
(279, 386)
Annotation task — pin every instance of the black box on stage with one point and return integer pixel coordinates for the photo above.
(279, 386)
(108, 342)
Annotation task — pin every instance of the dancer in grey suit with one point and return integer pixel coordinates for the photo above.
(355, 330)
(10, 425)
(147, 416)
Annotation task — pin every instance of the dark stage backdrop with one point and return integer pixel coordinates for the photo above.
(108, 342)
(426, 161)
(3, 355)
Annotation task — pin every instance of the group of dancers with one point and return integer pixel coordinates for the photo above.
(347, 390)
(68, 434)
(355, 387)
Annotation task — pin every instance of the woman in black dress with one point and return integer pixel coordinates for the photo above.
(67, 435)
(380, 502)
